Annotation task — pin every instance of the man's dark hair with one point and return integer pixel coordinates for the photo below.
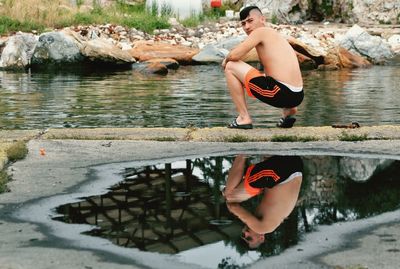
(244, 13)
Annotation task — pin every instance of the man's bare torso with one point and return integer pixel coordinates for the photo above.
(278, 57)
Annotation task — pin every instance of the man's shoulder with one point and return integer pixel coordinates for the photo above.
(264, 31)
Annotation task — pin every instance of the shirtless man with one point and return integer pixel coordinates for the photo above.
(277, 179)
(282, 84)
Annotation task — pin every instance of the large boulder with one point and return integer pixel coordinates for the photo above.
(101, 51)
(339, 58)
(216, 52)
(18, 51)
(360, 42)
(144, 51)
(360, 170)
(211, 54)
(56, 48)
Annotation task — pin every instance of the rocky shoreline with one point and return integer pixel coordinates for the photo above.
(318, 46)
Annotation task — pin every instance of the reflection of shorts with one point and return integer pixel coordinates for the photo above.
(271, 172)
(270, 91)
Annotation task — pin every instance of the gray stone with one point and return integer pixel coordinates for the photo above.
(56, 48)
(18, 51)
(210, 53)
(361, 170)
(99, 50)
(358, 41)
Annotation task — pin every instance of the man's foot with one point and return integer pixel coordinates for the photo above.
(235, 125)
(286, 122)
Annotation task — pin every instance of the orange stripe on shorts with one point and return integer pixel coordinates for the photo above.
(252, 73)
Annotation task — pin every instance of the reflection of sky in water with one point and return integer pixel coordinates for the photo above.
(191, 95)
(209, 256)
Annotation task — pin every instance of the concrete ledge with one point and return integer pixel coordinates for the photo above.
(216, 134)
(222, 134)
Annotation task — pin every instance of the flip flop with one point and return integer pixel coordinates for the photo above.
(286, 122)
(235, 125)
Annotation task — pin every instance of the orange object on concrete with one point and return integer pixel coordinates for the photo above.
(42, 152)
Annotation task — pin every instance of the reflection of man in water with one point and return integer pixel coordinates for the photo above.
(278, 179)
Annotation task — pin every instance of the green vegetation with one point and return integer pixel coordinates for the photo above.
(4, 178)
(274, 19)
(237, 139)
(17, 151)
(8, 25)
(39, 15)
(165, 139)
(292, 138)
(352, 137)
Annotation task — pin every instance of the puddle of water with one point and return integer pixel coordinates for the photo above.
(178, 208)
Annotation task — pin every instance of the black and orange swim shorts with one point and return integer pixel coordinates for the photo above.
(271, 172)
(270, 91)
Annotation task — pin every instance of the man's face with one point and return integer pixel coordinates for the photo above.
(252, 238)
(253, 21)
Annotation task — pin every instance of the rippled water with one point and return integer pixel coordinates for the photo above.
(192, 95)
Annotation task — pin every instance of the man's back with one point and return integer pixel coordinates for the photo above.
(278, 57)
(278, 202)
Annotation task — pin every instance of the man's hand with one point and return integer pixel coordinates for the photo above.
(223, 63)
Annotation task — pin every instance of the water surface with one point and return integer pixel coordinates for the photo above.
(191, 96)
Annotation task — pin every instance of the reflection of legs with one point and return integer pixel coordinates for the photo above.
(235, 73)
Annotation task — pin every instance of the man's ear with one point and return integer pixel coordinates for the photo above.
(262, 238)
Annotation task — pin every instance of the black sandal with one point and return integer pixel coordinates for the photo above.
(286, 122)
(235, 125)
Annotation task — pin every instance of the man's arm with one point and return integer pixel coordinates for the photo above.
(249, 43)
(262, 226)
(234, 189)
(235, 174)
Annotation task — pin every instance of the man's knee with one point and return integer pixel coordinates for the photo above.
(230, 66)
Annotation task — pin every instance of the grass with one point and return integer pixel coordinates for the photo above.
(292, 138)
(352, 137)
(4, 178)
(165, 139)
(17, 151)
(237, 139)
(40, 15)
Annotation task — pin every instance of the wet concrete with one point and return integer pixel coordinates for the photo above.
(26, 242)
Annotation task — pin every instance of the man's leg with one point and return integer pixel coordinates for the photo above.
(289, 111)
(235, 72)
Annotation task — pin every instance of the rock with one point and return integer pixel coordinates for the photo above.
(18, 51)
(360, 170)
(144, 51)
(55, 48)
(342, 58)
(305, 50)
(149, 68)
(306, 63)
(358, 41)
(168, 62)
(101, 51)
(211, 54)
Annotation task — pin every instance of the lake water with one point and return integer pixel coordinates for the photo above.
(190, 96)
